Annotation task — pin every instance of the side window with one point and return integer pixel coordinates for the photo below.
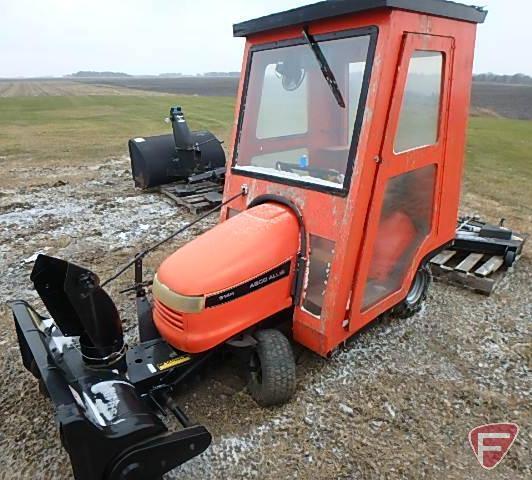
(420, 111)
(404, 224)
(283, 106)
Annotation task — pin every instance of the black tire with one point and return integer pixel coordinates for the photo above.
(509, 258)
(272, 379)
(416, 295)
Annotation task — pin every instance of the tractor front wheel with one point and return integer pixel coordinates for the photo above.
(415, 297)
(272, 369)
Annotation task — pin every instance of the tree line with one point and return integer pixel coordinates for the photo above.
(516, 79)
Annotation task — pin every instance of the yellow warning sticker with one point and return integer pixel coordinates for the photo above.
(173, 362)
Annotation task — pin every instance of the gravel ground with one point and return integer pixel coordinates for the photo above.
(396, 402)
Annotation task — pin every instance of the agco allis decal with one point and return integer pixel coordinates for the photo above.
(252, 285)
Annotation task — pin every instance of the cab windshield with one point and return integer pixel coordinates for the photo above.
(296, 122)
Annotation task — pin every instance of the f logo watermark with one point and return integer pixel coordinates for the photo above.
(491, 442)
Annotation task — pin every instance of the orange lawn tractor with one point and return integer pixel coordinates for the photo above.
(343, 182)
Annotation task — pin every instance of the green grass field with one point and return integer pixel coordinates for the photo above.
(499, 161)
(76, 129)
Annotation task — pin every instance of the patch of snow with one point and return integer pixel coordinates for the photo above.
(32, 258)
(345, 409)
(391, 411)
(234, 449)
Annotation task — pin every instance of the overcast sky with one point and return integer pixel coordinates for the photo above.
(57, 37)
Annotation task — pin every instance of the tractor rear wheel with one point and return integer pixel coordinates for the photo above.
(415, 297)
(272, 369)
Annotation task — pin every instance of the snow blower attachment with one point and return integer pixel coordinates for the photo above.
(344, 182)
(104, 400)
(164, 159)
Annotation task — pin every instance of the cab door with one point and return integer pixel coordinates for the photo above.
(403, 213)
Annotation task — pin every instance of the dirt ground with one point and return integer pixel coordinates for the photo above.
(396, 402)
(54, 88)
(511, 101)
(215, 86)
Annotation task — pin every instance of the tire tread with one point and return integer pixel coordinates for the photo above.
(278, 369)
(406, 309)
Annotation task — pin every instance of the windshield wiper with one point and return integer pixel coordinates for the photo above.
(325, 68)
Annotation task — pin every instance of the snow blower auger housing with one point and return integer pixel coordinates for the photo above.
(344, 181)
(181, 155)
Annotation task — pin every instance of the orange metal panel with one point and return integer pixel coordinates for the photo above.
(213, 326)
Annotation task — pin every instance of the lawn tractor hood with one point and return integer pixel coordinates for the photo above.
(227, 279)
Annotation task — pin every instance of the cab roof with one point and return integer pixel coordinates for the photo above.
(334, 8)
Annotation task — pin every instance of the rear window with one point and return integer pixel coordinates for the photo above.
(420, 111)
(289, 99)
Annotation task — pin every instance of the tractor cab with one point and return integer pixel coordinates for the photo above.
(349, 140)
(355, 114)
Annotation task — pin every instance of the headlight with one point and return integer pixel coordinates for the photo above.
(176, 301)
